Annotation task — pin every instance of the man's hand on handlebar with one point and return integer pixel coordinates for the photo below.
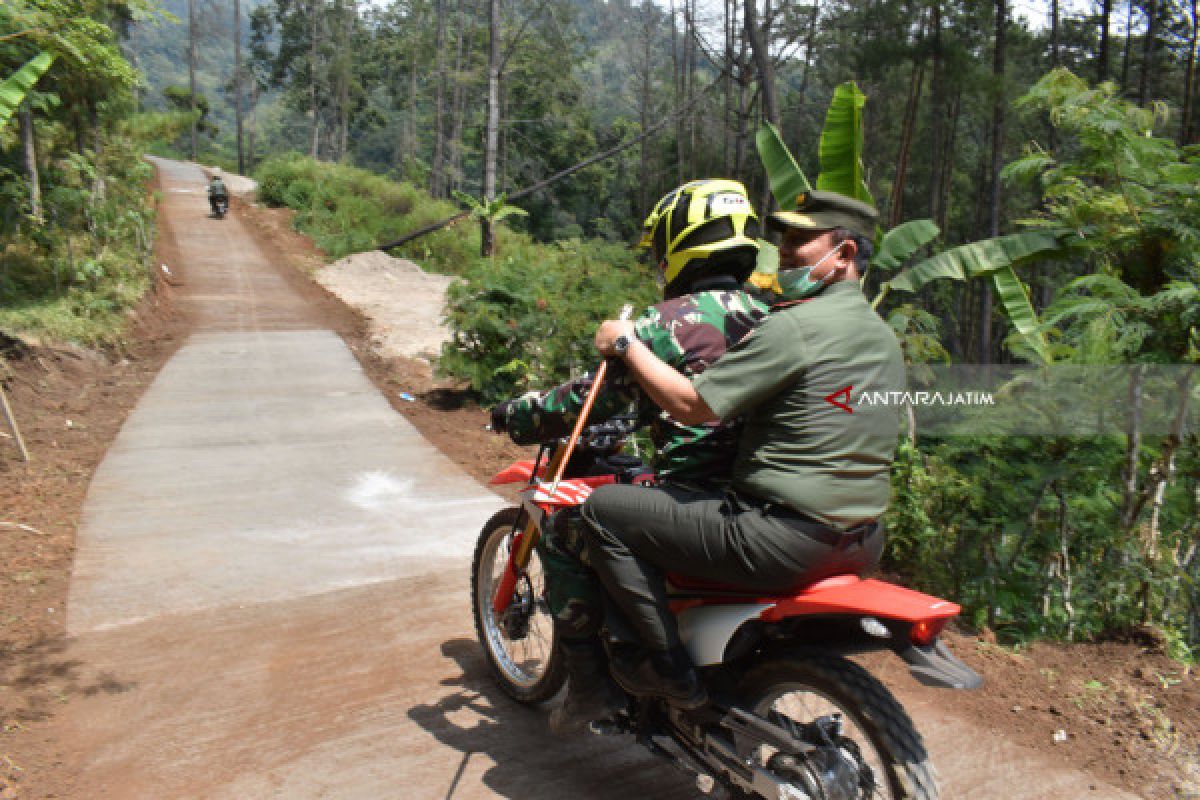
(500, 416)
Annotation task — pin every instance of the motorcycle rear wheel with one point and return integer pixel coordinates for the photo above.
(529, 666)
(798, 687)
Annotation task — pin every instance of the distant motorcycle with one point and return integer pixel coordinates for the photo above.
(790, 717)
(220, 205)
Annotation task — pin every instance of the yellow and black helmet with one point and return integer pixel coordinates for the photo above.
(701, 224)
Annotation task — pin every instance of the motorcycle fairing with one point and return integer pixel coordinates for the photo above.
(706, 630)
(571, 492)
(517, 472)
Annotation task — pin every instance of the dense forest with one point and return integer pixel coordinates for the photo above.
(555, 124)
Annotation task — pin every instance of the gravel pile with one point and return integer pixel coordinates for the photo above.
(403, 303)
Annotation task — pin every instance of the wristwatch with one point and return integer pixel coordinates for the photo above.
(621, 344)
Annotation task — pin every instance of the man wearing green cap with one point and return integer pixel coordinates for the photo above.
(811, 476)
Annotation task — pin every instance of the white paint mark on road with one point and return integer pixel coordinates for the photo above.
(378, 489)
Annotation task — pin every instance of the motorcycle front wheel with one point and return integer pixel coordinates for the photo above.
(519, 642)
(878, 741)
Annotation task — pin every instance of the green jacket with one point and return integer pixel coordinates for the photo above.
(689, 333)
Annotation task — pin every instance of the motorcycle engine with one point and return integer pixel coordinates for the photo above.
(834, 771)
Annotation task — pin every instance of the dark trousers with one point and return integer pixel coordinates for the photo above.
(636, 534)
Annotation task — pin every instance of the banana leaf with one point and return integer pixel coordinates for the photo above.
(1020, 311)
(17, 85)
(975, 259)
(841, 146)
(787, 179)
(902, 241)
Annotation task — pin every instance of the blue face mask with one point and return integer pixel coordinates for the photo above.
(798, 283)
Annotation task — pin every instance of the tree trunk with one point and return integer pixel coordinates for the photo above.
(1149, 51)
(192, 74)
(99, 184)
(947, 170)
(1064, 540)
(691, 84)
(1102, 56)
(1133, 449)
(252, 126)
(759, 38)
(937, 112)
(458, 102)
(237, 83)
(1125, 58)
(347, 9)
(644, 110)
(411, 121)
(29, 150)
(314, 145)
(492, 135)
(998, 105)
(437, 167)
(1054, 54)
(896, 202)
(809, 46)
(727, 87)
(677, 83)
(1189, 84)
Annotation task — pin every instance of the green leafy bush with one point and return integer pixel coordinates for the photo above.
(73, 276)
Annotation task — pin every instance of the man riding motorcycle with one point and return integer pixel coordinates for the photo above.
(812, 475)
(218, 195)
(702, 236)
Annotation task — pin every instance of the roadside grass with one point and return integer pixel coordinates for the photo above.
(75, 275)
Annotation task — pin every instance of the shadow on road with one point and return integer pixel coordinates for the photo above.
(41, 675)
(524, 759)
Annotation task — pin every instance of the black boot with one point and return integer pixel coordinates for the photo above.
(591, 694)
(669, 675)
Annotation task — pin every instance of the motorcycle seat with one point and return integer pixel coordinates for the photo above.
(678, 583)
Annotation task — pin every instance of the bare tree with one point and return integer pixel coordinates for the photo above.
(192, 74)
(1102, 56)
(237, 82)
(29, 151)
(998, 106)
(491, 136)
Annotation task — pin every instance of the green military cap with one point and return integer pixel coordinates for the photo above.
(822, 211)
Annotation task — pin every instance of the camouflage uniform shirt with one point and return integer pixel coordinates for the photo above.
(689, 333)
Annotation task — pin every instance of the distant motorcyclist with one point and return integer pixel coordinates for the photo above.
(218, 195)
(702, 235)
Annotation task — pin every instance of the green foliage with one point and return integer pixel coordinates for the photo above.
(974, 260)
(493, 211)
(902, 242)
(75, 277)
(348, 210)
(841, 148)
(14, 88)
(1132, 201)
(786, 178)
(527, 319)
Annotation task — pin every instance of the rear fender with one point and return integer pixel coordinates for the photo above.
(934, 665)
(706, 630)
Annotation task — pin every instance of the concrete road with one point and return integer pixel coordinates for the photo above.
(270, 592)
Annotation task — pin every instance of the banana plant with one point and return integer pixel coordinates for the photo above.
(840, 155)
(14, 89)
(489, 212)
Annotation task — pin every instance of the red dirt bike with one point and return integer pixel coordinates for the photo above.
(791, 718)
